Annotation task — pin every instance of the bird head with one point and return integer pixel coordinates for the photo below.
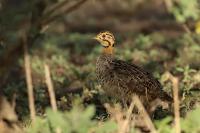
(106, 39)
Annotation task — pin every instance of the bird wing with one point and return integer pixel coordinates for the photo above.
(131, 76)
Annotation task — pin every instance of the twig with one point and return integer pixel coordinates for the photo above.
(51, 91)
(187, 29)
(55, 7)
(125, 124)
(50, 87)
(13, 103)
(68, 10)
(29, 79)
(176, 105)
(147, 119)
(168, 4)
(175, 83)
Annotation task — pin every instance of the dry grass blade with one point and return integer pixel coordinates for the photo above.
(8, 118)
(50, 87)
(29, 79)
(126, 124)
(168, 4)
(176, 105)
(51, 91)
(175, 83)
(147, 119)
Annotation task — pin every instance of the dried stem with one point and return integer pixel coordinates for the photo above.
(29, 79)
(50, 87)
(147, 119)
(51, 91)
(125, 125)
(13, 103)
(168, 4)
(187, 29)
(55, 7)
(175, 83)
(176, 105)
(66, 11)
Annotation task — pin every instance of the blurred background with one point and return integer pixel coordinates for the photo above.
(158, 35)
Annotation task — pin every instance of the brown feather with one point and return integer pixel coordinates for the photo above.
(122, 79)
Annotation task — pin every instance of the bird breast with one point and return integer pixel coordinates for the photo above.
(106, 77)
(103, 68)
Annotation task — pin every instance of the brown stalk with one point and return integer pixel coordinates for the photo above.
(187, 29)
(51, 91)
(176, 105)
(66, 11)
(125, 125)
(147, 119)
(175, 83)
(168, 4)
(50, 87)
(54, 8)
(29, 83)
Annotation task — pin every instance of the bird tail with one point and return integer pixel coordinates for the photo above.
(165, 97)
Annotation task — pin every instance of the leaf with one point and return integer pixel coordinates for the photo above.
(80, 119)
(179, 69)
(107, 127)
(191, 124)
(163, 125)
(57, 120)
(40, 125)
(89, 112)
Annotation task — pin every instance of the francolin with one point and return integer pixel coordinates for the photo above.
(122, 80)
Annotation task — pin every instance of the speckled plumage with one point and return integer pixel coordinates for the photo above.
(122, 80)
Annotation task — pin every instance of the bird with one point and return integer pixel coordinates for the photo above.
(122, 80)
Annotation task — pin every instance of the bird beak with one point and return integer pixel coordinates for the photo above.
(95, 38)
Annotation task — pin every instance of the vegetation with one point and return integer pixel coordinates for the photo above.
(161, 36)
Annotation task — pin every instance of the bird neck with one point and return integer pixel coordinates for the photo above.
(108, 50)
